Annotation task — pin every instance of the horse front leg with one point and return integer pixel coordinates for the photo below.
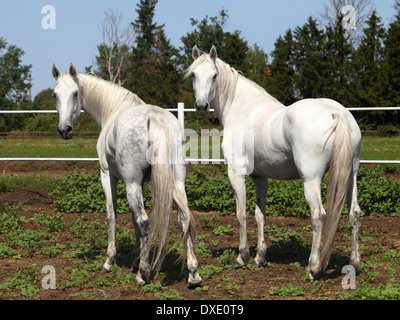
(109, 183)
(238, 183)
(261, 185)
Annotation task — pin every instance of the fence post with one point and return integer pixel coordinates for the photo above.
(181, 114)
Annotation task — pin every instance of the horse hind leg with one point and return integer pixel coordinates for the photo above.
(194, 279)
(136, 250)
(109, 183)
(354, 217)
(312, 191)
(261, 185)
(141, 221)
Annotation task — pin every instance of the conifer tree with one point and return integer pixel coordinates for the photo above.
(281, 83)
(256, 66)
(338, 53)
(391, 63)
(154, 65)
(309, 60)
(232, 48)
(367, 64)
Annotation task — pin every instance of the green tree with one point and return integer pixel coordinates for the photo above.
(236, 50)
(44, 100)
(232, 48)
(256, 66)
(309, 60)
(14, 77)
(14, 84)
(368, 62)
(391, 63)
(154, 64)
(338, 53)
(207, 32)
(391, 67)
(281, 83)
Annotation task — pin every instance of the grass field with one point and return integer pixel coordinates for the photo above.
(373, 148)
(48, 148)
(379, 148)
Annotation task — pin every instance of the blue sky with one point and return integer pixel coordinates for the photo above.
(77, 32)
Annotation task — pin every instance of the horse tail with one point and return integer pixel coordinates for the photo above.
(164, 193)
(339, 176)
(162, 184)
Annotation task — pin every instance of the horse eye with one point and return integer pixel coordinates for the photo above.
(215, 77)
(54, 95)
(75, 95)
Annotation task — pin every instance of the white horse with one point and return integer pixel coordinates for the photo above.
(136, 142)
(265, 139)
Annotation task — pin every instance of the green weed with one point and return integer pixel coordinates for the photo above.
(24, 282)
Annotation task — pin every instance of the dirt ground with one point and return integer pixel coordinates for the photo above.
(283, 277)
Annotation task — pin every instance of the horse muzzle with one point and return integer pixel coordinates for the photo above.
(202, 109)
(66, 133)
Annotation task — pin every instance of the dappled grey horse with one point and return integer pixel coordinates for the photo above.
(137, 142)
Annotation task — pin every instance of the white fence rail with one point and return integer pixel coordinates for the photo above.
(181, 117)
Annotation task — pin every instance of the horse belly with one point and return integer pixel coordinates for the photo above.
(280, 168)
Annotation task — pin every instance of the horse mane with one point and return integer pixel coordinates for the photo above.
(250, 97)
(101, 92)
(228, 78)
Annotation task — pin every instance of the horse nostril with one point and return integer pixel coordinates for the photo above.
(69, 129)
(202, 107)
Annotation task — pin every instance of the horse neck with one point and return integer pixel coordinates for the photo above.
(236, 94)
(100, 99)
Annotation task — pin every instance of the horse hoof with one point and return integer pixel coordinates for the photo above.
(194, 281)
(194, 284)
(104, 270)
(140, 281)
(259, 264)
(357, 266)
(314, 274)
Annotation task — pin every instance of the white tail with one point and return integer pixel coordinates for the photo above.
(164, 192)
(340, 168)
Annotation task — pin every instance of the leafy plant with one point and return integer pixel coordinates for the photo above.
(227, 258)
(209, 270)
(222, 230)
(382, 292)
(289, 291)
(24, 282)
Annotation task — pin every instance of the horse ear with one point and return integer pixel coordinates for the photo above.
(195, 53)
(72, 70)
(55, 71)
(213, 53)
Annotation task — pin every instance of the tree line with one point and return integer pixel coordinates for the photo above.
(310, 61)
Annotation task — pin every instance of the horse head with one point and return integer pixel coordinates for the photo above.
(204, 73)
(68, 104)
